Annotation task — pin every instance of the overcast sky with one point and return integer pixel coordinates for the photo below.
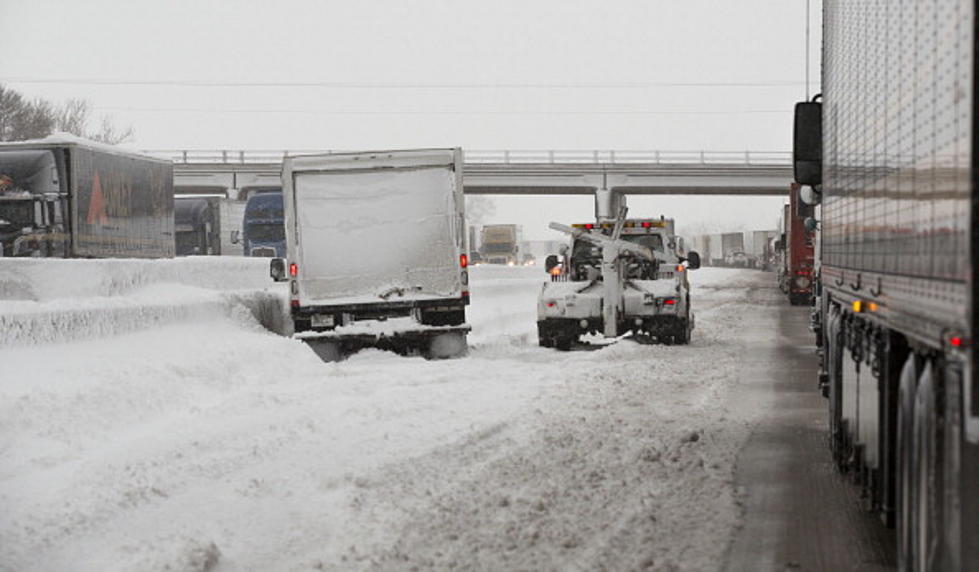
(372, 74)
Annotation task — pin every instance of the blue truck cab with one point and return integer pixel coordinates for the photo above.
(263, 227)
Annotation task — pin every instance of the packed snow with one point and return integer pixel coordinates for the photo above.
(203, 441)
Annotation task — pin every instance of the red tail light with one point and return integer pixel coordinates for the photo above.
(463, 260)
(669, 301)
(293, 269)
(294, 303)
(647, 224)
(589, 226)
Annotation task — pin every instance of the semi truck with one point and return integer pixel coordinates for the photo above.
(375, 251)
(889, 152)
(758, 248)
(799, 253)
(617, 277)
(499, 244)
(72, 198)
(732, 249)
(263, 225)
(197, 224)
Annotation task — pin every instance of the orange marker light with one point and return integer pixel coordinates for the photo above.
(679, 268)
(857, 306)
(463, 260)
(293, 269)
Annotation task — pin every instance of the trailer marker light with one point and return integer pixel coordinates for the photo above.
(463, 260)
(858, 306)
(293, 269)
(872, 306)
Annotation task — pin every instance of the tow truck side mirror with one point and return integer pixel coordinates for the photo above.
(277, 269)
(550, 262)
(693, 260)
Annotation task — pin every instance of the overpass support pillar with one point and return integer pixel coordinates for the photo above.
(607, 204)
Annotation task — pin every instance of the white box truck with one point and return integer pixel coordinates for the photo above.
(375, 251)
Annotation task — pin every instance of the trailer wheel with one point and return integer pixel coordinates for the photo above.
(926, 473)
(905, 463)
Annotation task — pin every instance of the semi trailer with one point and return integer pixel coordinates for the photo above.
(72, 198)
(891, 159)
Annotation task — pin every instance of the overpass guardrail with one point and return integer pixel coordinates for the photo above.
(507, 157)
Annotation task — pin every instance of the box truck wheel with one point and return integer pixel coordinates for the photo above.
(448, 345)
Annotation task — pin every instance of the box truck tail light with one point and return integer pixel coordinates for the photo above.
(589, 226)
(294, 303)
(293, 269)
(463, 260)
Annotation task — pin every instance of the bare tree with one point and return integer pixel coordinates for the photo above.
(22, 119)
(73, 116)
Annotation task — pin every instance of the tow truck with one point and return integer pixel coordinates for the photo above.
(618, 276)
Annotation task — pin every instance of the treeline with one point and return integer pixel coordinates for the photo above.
(22, 118)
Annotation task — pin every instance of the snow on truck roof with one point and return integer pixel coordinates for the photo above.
(375, 159)
(67, 139)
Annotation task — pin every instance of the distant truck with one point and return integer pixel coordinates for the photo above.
(732, 248)
(197, 225)
(499, 244)
(72, 198)
(799, 251)
(263, 226)
(375, 251)
(758, 248)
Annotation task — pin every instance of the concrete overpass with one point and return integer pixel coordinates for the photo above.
(533, 172)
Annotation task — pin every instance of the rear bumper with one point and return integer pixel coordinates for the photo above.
(447, 312)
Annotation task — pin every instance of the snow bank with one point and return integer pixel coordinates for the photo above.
(50, 300)
(42, 279)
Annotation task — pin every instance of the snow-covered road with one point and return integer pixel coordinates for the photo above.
(209, 443)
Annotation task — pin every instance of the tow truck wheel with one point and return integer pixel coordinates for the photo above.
(682, 337)
(563, 343)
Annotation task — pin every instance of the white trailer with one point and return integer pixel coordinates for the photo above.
(375, 251)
